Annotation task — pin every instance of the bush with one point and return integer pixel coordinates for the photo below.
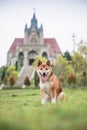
(62, 66)
(84, 79)
(12, 80)
(10, 69)
(0, 82)
(61, 78)
(36, 79)
(71, 79)
(14, 73)
(27, 81)
(37, 58)
(6, 80)
(3, 73)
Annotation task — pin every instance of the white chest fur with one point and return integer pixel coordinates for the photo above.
(46, 86)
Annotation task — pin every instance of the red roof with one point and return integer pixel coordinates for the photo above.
(14, 45)
(54, 48)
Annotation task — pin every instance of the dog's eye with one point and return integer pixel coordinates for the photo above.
(40, 68)
(46, 68)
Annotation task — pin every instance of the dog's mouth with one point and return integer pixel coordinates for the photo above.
(44, 76)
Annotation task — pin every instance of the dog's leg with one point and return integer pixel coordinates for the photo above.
(61, 97)
(53, 96)
(48, 98)
(43, 96)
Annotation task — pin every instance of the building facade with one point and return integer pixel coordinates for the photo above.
(24, 50)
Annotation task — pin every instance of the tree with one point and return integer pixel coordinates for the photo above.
(26, 81)
(62, 66)
(3, 73)
(71, 79)
(36, 79)
(6, 80)
(84, 78)
(11, 71)
(82, 48)
(79, 61)
(67, 56)
(16, 65)
(37, 58)
(12, 80)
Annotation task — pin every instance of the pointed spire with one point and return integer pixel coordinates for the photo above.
(34, 20)
(41, 27)
(25, 27)
(34, 9)
(34, 17)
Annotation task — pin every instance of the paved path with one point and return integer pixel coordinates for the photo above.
(26, 71)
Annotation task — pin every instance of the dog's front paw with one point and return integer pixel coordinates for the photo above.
(53, 100)
(43, 101)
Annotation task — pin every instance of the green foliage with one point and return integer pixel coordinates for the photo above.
(61, 78)
(14, 73)
(19, 68)
(6, 74)
(84, 79)
(0, 81)
(71, 78)
(36, 79)
(67, 56)
(3, 73)
(10, 69)
(37, 58)
(69, 69)
(16, 65)
(62, 66)
(77, 65)
(61, 61)
(27, 81)
(82, 48)
(79, 62)
(6, 80)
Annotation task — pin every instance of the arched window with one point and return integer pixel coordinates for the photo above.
(21, 58)
(31, 56)
(45, 55)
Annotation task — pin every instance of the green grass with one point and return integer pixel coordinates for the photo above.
(21, 109)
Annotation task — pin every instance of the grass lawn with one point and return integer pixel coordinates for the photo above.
(21, 109)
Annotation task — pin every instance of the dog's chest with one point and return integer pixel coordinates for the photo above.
(46, 86)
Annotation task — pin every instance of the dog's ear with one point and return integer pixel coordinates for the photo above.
(48, 63)
(39, 63)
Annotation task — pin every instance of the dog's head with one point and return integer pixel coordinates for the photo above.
(44, 70)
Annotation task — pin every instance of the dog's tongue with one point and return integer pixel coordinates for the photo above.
(44, 78)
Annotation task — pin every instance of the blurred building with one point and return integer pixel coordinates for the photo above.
(24, 50)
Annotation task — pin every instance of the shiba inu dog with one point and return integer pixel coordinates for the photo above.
(50, 86)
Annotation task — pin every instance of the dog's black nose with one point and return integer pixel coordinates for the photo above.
(44, 74)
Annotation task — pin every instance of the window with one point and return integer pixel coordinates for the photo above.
(33, 40)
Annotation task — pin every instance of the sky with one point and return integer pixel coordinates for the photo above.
(60, 18)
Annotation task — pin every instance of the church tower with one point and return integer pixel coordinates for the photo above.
(24, 50)
(34, 34)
